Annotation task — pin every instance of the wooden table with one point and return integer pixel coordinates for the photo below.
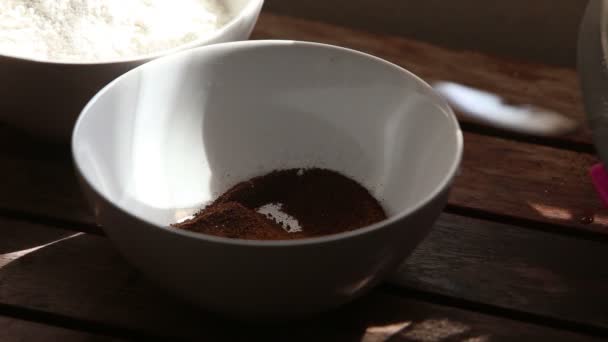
(514, 256)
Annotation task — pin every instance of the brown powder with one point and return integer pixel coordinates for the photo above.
(323, 201)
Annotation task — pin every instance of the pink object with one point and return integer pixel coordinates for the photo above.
(599, 176)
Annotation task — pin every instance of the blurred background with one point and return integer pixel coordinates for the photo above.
(538, 30)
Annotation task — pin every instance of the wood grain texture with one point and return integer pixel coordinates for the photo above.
(16, 330)
(517, 82)
(43, 187)
(510, 267)
(18, 236)
(39, 178)
(84, 278)
(534, 182)
(18, 239)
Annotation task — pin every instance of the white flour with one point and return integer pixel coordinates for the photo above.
(94, 30)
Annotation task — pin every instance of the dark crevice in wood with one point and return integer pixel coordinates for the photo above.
(526, 223)
(101, 328)
(51, 221)
(76, 324)
(554, 142)
(450, 208)
(491, 310)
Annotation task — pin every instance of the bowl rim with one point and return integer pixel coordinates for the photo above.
(441, 186)
(248, 10)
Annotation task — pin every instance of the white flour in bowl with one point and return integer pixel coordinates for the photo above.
(94, 30)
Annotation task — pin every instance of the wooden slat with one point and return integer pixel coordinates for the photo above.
(43, 187)
(38, 177)
(19, 237)
(515, 268)
(83, 277)
(528, 181)
(16, 330)
(499, 176)
(494, 264)
(518, 82)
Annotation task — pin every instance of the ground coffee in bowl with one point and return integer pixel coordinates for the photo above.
(288, 204)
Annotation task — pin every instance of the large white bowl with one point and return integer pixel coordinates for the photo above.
(158, 142)
(45, 97)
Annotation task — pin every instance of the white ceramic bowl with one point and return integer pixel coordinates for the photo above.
(45, 97)
(159, 141)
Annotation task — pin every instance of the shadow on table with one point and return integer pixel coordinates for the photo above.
(83, 277)
(15, 142)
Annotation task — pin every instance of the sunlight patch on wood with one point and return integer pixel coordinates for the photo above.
(600, 219)
(483, 338)
(7, 258)
(552, 212)
(381, 333)
(434, 330)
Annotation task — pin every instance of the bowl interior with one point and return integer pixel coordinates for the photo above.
(170, 135)
(235, 6)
